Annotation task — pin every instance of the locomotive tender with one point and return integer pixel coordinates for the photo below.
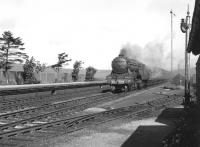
(127, 74)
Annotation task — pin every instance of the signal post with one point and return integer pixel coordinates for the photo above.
(185, 28)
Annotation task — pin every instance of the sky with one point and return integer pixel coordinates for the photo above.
(94, 31)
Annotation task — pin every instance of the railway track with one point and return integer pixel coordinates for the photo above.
(19, 135)
(53, 116)
(65, 108)
(57, 107)
(20, 103)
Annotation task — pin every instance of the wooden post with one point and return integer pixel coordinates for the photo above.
(198, 80)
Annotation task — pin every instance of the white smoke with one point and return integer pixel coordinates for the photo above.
(131, 51)
(152, 54)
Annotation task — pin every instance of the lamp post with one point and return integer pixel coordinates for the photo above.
(185, 27)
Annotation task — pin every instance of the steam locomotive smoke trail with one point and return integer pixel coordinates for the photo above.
(131, 51)
(152, 54)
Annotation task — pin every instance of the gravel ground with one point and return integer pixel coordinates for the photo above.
(140, 133)
(125, 133)
(147, 132)
(141, 97)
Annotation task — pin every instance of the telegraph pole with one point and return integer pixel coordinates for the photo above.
(172, 14)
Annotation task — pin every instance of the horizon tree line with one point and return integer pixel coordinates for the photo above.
(12, 52)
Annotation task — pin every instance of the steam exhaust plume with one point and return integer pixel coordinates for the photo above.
(152, 54)
(131, 51)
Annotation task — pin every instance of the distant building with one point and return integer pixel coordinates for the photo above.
(48, 76)
(51, 76)
(15, 75)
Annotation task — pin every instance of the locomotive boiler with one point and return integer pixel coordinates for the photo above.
(127, 74)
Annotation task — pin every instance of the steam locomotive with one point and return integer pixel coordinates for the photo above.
(127, 74)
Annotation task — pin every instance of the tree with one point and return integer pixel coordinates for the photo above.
(31, 66)
(62, 60)
(90, 72)
(40, 67)
(76, 68)
(10, 51)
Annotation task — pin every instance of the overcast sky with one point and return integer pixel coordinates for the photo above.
(94, 31)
